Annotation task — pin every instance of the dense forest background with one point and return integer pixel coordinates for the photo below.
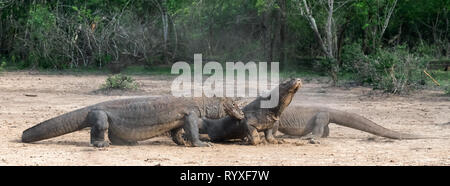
(384, 43)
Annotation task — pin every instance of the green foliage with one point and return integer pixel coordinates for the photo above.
(395, 70)
(41, 21)
(121, 82)
(427, 51)
(442, 77)
(329, 67)
(447, 90)
(2, 65)
(352, 55)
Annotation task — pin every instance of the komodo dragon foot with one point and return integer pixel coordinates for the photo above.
(100, 144)
(268, 134)
(312, 139)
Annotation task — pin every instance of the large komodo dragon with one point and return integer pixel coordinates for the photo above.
(302, 121)
(256, 119)
(130, 120)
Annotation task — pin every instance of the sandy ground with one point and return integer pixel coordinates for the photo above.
(426, 113)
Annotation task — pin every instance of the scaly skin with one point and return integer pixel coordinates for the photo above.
(302, 121)
(130, 120)
(256, 119)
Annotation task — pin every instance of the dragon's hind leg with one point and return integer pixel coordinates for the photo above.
(326, 131)
(320, 128)
(191, 129)
(321, 122)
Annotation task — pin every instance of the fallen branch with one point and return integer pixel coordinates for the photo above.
(431, 78)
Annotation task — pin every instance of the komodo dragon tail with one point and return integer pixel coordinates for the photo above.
(361, 123)
(57, 126)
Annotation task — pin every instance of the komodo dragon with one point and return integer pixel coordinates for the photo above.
(130, 120)
(302, 120)
(255, 120)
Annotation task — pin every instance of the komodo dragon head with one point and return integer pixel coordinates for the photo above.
(286, 92)
(260, 117)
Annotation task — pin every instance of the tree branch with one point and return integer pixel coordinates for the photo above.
(388, 17)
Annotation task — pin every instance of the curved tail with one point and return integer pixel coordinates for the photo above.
(361, 123)
(57, 126)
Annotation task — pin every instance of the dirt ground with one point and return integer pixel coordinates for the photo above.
(426, 113)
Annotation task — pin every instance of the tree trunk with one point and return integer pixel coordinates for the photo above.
(329, 30)
(274, 34)
(340, 41)
(166, 31)
(283, 30)
(329, 45)
(162, 6)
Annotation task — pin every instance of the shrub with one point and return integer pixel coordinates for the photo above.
(61, 36)
(394, 70)
(397, 70)
(331, 67)
(447, 90)
(355, 61)
(426, 50)
(2, 65)
(121, 82)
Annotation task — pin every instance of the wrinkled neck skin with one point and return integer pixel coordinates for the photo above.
(264, 118)
(286, 93)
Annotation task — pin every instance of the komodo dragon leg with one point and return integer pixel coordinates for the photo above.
(178, 136)
(320, 127)
(320, 123)
(99, 122)
(268, 134)
(231, 109)
(326, 131)
(191, 129)
(253, 135)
